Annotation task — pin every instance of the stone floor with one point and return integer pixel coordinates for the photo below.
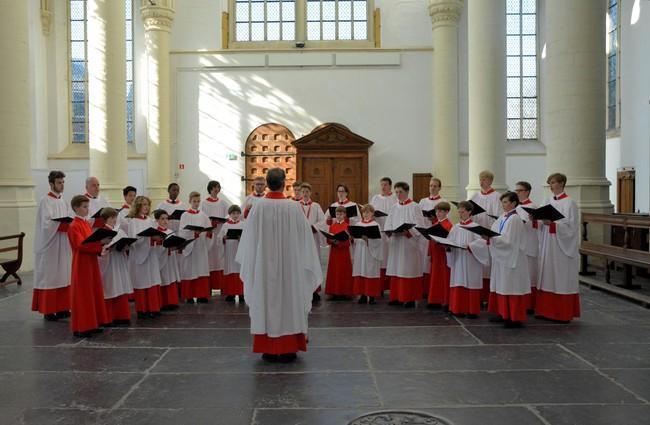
(194, 366)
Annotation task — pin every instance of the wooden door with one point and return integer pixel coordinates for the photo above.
(270, 146)
(348, 171)
(318, 173)
(420, 188)
(625, 190)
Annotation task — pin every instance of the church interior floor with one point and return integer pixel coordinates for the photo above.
(194, 366)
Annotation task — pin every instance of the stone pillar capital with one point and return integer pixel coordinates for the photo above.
(157, 15)
(46, 17)
(444, 12)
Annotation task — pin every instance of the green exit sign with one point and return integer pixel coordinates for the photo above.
(231, 157)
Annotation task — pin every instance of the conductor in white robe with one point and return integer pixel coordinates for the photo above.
(280, 269)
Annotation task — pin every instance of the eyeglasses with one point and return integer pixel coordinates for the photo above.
(520, 190)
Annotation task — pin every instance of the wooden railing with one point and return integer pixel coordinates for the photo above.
(630, 248)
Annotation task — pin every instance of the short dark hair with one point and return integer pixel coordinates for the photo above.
(386, 179)
(402, 185)
(436, 179)
(525, 185)
(170, 185)
(275, 178)
(234, 208)
(343, 186)
(558, 177)
(107, 213)
(157, 214)
(55, 174)
(297, 183)
(466, 205)
(444, 206)
(212, 184)
(128, 189)
(77, 200)
(510, 196)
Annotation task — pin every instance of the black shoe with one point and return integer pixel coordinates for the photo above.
(459, 314)
(445, 308)
(241, 299)
(530, 311)
(203, 300)
(82, 334)
(287, 358)
(512, 324)
(230, 298)
(173, 307)
(433, 306)
(63, 314)
(363, 299)
(121, 322)
(394, 302)
(271, 358)
(496, 319)
(472, 316)
(51, 317)
(156, 313)
(189, 301)
(151, 315)
(142, 315)
(371, 300)
(410, 304)
(315, 297)
(97, 331)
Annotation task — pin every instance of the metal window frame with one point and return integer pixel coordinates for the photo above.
(614, 131)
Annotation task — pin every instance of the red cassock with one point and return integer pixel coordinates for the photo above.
(439, 277)
(86, 290)
(339, 268)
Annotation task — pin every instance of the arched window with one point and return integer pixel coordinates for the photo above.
(78, 43)
(521, 69)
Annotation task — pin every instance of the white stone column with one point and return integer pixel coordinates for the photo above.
(486, 62)
(158, 20)
(573, 99)
(445, 15)
(17, 206)
(107, 96)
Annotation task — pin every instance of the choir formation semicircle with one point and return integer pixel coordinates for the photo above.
(506, 256)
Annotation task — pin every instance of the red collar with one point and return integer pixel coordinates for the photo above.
(169, 201)
(367, 221)
(275, 195)
(389, 194)
(408, 201)
(434, 198)
(141, 217)
(255, 194)
(340, 222)
(126, 206)
(89, 196)
(51, 195)
(488, 192)
(345, 201)
(295, 198)
(232, 222)
(162, 229)
(444, 219)
(306, 203)
(526, 202)
(191, 211)
(211, 199)
(469, 221)
(562, 196)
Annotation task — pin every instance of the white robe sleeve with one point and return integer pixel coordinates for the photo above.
(505, 248)
(568, 230)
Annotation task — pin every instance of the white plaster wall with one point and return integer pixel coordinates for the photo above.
(635, 96)
(612, 164)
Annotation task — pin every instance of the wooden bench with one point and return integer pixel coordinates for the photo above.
(625, 254)
(11, 263)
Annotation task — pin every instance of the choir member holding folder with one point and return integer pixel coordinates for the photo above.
(509, 277)
(195, 266)
(522, 189)
(169, 259)
(115, 271)
(229, 237)
(438, 293)
(315, 216)
(173, 206)
(404, 260)
(217, 210)
(351, 209)
(368, 254)
(466, 272)
(339, 266)
(557, 288)
(129, 193)
(382, 203)
(86, 290)
(144, 264)
(428, 206)
(52, 255)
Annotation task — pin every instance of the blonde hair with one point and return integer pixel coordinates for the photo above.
(558, 177)
(368, 208)
(305, 185)
(485, 174)
(138, 202)
(194, 194)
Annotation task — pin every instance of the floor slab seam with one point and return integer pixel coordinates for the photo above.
(373, 376)
(537, 414)
(604, 375)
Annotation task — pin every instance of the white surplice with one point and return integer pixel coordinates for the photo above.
(383, 203)
(194, 260)
(230, 266)
(215, 208)
(52, 254)
(169, 260)
(558, 255)
(428, 204)
(280, 267)
(144, 267)
(95, 204)
(114, 267)
(404, 256)
(465, 269)
(351, 220)
(532, 240)
(491, 203)
(368, 255)
(170, 207)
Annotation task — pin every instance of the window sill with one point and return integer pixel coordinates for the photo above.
(80, 151)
